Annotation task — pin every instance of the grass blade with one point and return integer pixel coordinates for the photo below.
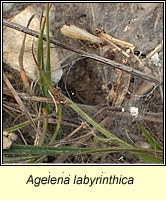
(24, 150)
(150, 139)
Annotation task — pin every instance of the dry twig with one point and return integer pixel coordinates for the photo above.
(82, 53)
(17, 98)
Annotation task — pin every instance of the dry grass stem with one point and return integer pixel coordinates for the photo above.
(82, 53)
(19, 101)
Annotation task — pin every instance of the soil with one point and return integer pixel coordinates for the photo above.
(88, 82)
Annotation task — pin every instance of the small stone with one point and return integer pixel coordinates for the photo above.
(6, 143)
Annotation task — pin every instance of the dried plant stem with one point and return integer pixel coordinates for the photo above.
(156, 50)
(20, 60)
(157, 117)
(94, 124)
(82, 53)
(74, 132)
(17, 98)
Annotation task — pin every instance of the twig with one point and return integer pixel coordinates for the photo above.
(93, 16)
(156, 117)
(17, 98)
(159, 13)
(157, 49)
(74, 132)
(22, 137)
(28, 97)
(82, 53)
(104, 37)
